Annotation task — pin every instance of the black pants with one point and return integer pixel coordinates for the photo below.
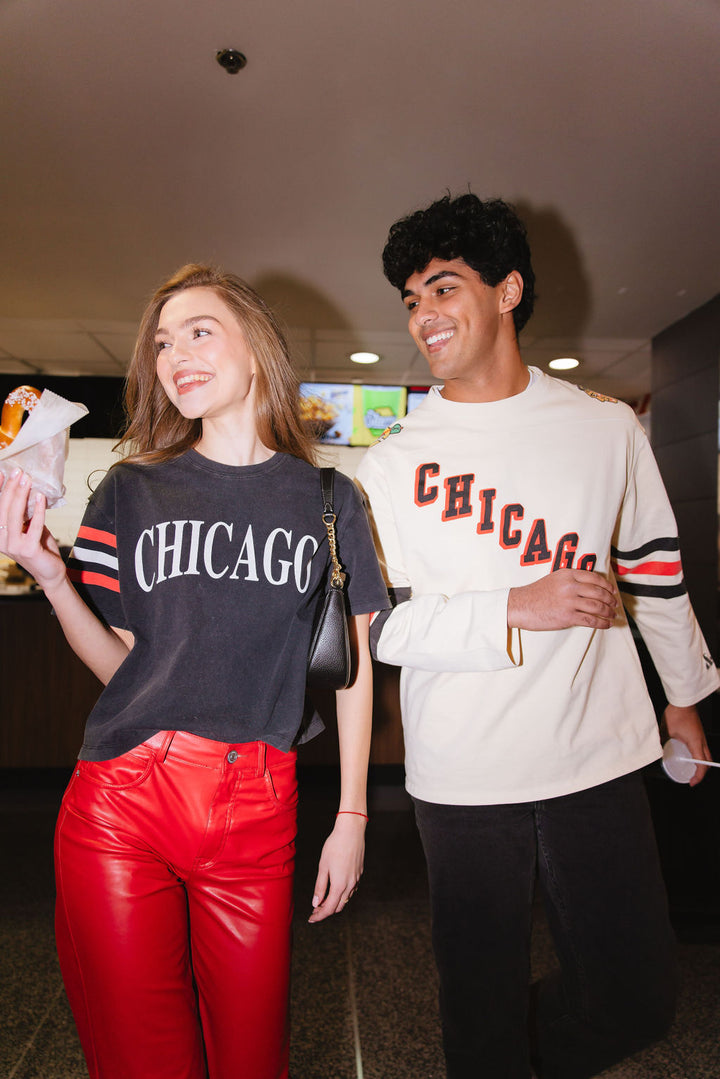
(597, 865)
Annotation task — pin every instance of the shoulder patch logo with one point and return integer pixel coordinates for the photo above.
(394, 430)
(598, 396)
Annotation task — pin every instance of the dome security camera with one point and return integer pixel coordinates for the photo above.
(232, 60)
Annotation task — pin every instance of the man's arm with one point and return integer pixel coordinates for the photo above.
(646, 560)
(473, 631)
(466, 632)
(470, 631)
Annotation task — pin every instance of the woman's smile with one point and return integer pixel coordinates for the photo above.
(187, 381)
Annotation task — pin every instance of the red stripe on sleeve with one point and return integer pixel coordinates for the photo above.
(101, 579)
(97, 535)
(657, 569)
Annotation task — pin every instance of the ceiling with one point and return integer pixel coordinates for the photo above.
(127, 151)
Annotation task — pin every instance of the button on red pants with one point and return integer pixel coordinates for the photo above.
(174, 872)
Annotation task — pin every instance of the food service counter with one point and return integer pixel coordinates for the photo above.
(48, 693)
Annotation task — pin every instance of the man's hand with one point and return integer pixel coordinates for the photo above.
(685, 725)
(567, 597)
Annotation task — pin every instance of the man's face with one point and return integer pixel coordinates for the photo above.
(456, 321)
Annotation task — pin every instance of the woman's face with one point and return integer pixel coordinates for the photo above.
(203, 360)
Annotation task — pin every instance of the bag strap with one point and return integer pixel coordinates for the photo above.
(327, 482)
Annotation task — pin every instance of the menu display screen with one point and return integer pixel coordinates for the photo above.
(350, 415)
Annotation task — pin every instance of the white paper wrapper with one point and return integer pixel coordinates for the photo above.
(40, 447)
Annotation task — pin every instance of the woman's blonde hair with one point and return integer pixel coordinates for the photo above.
(156, 431)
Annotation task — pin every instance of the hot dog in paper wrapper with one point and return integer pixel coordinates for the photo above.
(40, 446)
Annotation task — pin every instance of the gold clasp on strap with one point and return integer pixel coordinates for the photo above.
(337, 577)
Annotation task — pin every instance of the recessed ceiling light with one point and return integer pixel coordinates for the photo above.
(564, 363)
(364, 357)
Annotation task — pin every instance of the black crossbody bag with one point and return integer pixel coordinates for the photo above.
(329, 662)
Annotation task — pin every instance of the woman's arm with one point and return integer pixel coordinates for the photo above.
(98, 646)
(341, 861)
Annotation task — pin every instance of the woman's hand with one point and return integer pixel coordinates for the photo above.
(29, 543)
(341, 866)
(100, 647)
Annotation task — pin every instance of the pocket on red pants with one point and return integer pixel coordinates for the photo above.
(281, 779)
(120, 773)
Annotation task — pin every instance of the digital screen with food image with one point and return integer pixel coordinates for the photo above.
(327, 409)
(376, 409)
(350, 415)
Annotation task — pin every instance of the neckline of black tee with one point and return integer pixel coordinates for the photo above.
(205, 464)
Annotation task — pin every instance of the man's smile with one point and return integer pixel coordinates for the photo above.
(439, 338)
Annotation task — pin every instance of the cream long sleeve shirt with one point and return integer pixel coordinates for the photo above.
(470, 500)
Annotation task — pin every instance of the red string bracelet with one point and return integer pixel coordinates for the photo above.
(353, 813)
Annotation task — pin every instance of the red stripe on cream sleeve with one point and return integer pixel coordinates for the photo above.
(657, 569)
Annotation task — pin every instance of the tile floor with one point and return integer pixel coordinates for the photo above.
(363, 983)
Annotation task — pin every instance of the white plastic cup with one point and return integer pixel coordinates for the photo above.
(675, 761)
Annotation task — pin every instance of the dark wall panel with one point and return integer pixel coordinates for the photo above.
(689, 468)
(684, 413)
(685, 384)
(103, 397)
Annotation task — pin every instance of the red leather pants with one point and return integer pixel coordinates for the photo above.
(174, 872)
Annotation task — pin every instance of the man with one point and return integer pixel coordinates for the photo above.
(507, 506)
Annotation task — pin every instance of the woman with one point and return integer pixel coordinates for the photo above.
(199, 563)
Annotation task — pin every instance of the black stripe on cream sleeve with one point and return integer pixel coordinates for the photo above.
(378, 620)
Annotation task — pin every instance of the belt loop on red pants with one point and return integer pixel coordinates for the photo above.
(165, 746)
(261, 758)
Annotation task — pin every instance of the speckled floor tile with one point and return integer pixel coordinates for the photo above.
(322, 1042)
(54, 1052)
(396, 991)
(692, 1049)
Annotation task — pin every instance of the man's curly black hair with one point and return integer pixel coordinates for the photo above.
(488, 236)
